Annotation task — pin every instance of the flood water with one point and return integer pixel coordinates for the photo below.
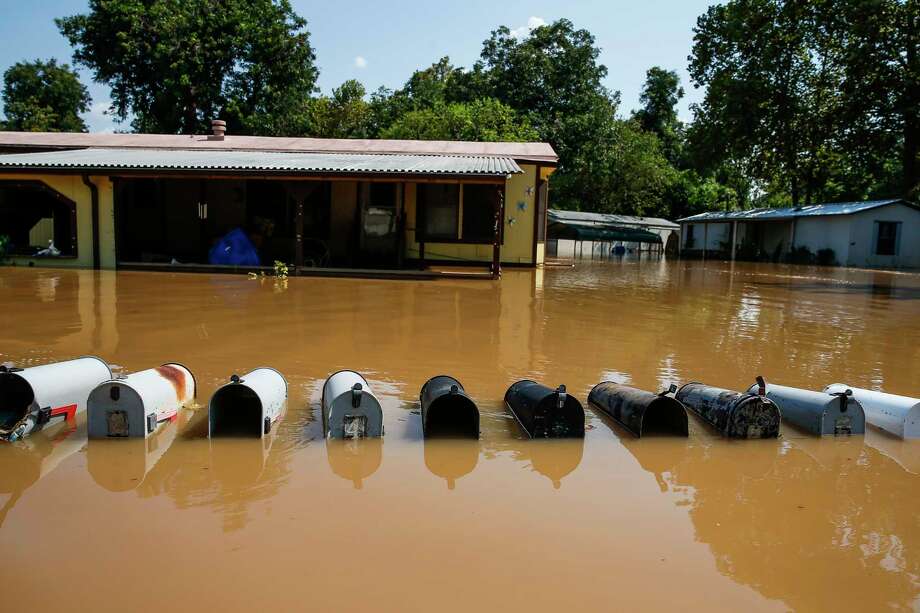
(607, 523)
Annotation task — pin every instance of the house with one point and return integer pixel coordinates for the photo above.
(654, 232)
(874, 233)
(162, 201)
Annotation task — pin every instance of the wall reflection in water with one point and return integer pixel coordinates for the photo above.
(803, 520)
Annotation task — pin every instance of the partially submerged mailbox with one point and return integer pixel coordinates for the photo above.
(447, 410)
(734, 414)
(136, 405)
(817, 412)
(897, 415)
(544, 412)
(639, 411)
(33, 397)
(350, 409)
(248, 405)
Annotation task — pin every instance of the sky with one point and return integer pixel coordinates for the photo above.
(381, 43)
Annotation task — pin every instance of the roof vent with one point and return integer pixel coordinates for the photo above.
(218, 129)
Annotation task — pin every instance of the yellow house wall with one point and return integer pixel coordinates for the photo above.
(72, 187)
(518, 227)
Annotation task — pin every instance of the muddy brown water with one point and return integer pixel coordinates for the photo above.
(610, 522)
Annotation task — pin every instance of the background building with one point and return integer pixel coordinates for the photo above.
(877, 233)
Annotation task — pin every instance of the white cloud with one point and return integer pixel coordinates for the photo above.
(525, 30)
(98, 119)
(360, 62)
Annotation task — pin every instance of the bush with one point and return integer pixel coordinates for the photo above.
(800, 255)
(827, 257)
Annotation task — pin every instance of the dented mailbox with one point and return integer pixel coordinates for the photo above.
(33, 397)
(544, 412)
(639, 411)
(447, 410)
(897, 415)
(137, 404)
(350, 409)
(734, 414)
(817, 412)
(248, 405)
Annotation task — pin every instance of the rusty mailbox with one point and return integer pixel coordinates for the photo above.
(734, 414)
(639, 411)
(819, 413)
(544, 412)
(350, 408)
(248, 405)
(33, 397)
(447, 410)
(137, 404)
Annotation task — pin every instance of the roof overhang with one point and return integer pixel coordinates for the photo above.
(125, 162)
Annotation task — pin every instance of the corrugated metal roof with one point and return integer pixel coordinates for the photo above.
(813, 210)
(260, 161)
(533, 152)
(560, 216)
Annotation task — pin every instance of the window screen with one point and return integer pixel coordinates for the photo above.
(438, 211)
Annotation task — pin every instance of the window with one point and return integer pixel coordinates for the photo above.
(36, 220)
(379, 208)
(479, 203)
(886, 237)
(438, 211)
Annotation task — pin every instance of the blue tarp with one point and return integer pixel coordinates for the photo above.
(234, 249)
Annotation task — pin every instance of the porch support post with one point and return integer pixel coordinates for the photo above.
(298, 232)
(497, 236)
(705, 238)
(734, 238)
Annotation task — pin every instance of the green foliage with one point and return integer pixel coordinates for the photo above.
(659, 98)
(485, 119)
(815, 99)
(346, 114)
(280, 269)
(177, 64)
(44, 96)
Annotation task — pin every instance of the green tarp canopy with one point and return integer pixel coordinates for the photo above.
(596, 232)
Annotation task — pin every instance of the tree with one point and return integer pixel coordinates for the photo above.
(177, 64)
(43, 96)
(770, 85)
(879, 50)
(486, 120)
(346, 114)
(659, 98)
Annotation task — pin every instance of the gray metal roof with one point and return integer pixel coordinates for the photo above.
(813, 210)
(579, 217)
(274, 162)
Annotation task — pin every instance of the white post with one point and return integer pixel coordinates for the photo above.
(734, 238)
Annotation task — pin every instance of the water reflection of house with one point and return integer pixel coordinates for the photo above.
(156, 200)
(878, 233)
